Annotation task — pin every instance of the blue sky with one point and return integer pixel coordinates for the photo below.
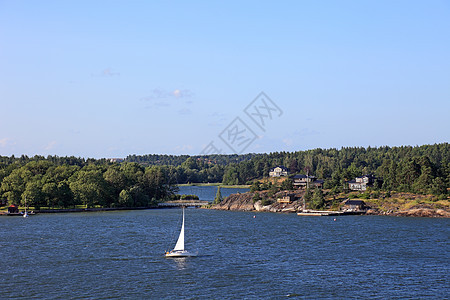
(113, 78)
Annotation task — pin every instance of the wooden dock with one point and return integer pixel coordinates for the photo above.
(319, 213)
(328, 213)
(186, 203)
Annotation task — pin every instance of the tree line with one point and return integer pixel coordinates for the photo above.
(66, 183)
(144, 180)
(418, 169)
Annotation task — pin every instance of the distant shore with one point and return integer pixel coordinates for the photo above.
(383, 207)
(225, 186)
(76, 210)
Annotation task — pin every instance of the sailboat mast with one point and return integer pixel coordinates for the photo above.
(180, 242)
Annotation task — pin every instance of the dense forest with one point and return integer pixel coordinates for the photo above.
(144, 180)
(68, 181)
(419, 169)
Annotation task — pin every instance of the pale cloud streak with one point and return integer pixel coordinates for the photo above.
(184, 148)
(159, 98)
(5, 142)
(158, 93)
(107, 72)
(288, 142)
(50, 145)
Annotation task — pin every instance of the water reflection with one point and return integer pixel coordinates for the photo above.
(180, 263)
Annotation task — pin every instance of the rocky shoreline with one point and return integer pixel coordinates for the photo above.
(245, 202)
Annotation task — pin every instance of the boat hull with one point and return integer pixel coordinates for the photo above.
(180, 254)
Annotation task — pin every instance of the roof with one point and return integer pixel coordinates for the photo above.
(298, 176)
(355, 202)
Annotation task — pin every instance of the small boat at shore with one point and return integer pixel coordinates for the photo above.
(25, 214)
(179, 250)
(19, 214)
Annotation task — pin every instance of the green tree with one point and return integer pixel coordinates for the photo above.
(438, 187)
(318, 200)
(125, 199)
(256, 186)
(14, 184)
(33, 195)
(156, 185)
(50, 191)
(65, 195)
(218, 197)
(287, 185)
(308, 195)
(90, 188)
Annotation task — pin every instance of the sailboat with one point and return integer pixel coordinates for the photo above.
(25, 214)
(179, 250)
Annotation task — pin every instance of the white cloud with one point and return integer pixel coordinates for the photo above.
(177, 93)
(288, 142)
(107, 72)
(5, 142)
(184, 148)
(182, 93)
(158, 93)
(50, 145)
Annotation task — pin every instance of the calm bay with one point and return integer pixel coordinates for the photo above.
(242, 255)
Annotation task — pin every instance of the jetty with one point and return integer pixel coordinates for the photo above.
(185, 203)
(329, 213)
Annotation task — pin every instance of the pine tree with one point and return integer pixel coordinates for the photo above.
(218, 197)
(318, 200)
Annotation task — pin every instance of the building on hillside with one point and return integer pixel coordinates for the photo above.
(278, 171)
(13, 209)
(302, 181)
(354, 205)
(116, 160)
(361, 183)
(286, 199)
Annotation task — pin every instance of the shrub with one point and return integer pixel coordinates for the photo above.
(364, 196)
(256, 197)
(266, 202)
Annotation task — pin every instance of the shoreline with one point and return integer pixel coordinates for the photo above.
(424, 212)
(225, 186)
(78, 210)
(245, 202)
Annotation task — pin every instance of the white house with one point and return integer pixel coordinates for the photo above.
(278, 171)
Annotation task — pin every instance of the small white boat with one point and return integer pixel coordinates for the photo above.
(25, 214)
(179, 250)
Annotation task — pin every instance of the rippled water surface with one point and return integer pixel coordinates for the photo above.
(119, 254)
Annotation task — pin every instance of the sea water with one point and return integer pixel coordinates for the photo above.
(242, 255)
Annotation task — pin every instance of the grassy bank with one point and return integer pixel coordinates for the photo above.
(30, 208)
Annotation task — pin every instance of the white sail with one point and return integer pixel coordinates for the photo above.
(179, 250)
(180, 243)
